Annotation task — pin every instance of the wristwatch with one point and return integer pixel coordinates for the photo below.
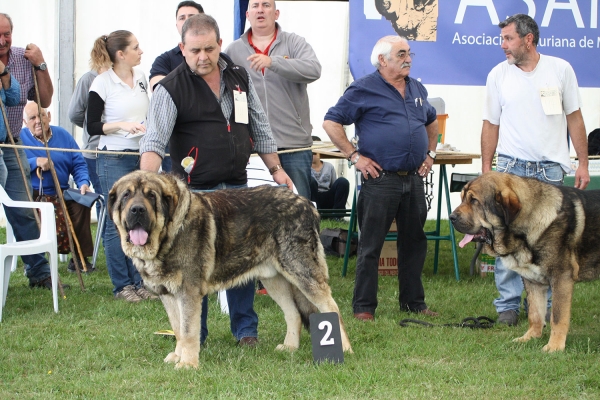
(41, 67)
(431, 154)
(5, 72)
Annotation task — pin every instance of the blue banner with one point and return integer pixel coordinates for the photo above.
(239, 17)
(457, 42)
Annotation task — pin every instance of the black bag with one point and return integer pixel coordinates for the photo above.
(594, 142)
(334, 242)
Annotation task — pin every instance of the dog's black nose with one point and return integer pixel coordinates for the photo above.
(452, 217)
(137, 210)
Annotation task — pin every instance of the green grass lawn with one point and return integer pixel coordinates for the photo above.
(96, 347)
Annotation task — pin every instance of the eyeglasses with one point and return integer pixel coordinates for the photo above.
(403, 56)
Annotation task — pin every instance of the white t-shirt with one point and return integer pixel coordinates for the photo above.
(514, 101)
(121, 103)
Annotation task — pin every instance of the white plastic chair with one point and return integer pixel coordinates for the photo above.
(45, 243)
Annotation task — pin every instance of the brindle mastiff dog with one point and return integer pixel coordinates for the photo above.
(187, 245)
(548, 234)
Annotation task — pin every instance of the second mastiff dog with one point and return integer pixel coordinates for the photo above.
(187, 245)
(548, 234)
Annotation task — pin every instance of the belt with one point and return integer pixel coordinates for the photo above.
(400, 173)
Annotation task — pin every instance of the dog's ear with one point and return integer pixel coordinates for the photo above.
(463, 192)
(170, 196)
(509, 204)
(112, 199)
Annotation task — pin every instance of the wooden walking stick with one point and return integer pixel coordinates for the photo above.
(68, 222)
(61, 199)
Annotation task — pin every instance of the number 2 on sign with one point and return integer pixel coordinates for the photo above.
(327, 340)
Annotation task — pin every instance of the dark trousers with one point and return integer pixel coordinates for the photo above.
(334, 198)
(379, 202)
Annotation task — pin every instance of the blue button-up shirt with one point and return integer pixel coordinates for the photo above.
(390, 129)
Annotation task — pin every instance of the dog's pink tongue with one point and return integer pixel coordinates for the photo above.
(465, 240)
(138, 236)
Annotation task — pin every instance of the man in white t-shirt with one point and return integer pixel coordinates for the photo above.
(532, 107)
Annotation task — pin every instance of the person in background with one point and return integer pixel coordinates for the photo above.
(326, 189)
(397, 133)
(281, 65)
(99, 63)
(66, 164)
(530, 136)
(169, 60)
(23, 63)
(117, 108)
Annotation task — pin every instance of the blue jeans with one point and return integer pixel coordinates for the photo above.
(23, 221)
(122, 272)
(243, 320)
(508, 282)
(166, 164)
(3, 172)
(380, 201)
(91, 165)
(297, 166)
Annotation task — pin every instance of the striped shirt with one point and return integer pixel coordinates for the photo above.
(162, 116)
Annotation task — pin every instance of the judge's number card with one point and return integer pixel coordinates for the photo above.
(551, 101)
(241, 107)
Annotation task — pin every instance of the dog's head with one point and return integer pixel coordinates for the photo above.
(490, 204)
(142, 205)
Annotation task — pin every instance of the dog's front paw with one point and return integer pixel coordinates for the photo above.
(549, 348)
(530, 334)
(172, 358)
(283, 347)
(186, 365)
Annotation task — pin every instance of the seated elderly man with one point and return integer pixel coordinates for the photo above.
(65, 164)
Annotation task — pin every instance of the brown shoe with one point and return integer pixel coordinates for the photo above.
(364, 316)
(428, 312)
(248, 341)
(129, 294)
(145, 294)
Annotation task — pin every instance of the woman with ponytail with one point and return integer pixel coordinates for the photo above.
(117, 107)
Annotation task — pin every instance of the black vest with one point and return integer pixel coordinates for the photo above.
(221, 147)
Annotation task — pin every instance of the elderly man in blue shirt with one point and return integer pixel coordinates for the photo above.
(397, 134)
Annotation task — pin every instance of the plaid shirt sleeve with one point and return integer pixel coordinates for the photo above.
(162, 115)
(260, 130)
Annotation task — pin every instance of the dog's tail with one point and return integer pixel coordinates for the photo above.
(304, 306)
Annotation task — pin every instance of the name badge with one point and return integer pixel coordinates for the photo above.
(551, 101)
(241, 107)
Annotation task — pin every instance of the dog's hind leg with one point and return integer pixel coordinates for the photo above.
(321, 297)
(170, 304)
(315, 287)
(280, 291)
(536, 312)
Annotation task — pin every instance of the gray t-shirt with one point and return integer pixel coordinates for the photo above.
(325, 177)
